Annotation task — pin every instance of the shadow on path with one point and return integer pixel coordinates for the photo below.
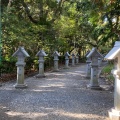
(60, 96)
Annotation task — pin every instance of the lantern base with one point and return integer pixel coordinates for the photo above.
(20, 86)
(94, 87)
(40, 76)
(114, 114)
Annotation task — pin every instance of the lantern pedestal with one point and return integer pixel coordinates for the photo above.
(94, 87)
(77, 59)
(88, 69)
(73, 60)
(67, 55)
(56, 65)
(20, 85)
(41, 69)
(20, 75)
(56, 55)
(114, 114)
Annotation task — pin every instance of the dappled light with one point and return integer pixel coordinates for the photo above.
(52, 59)
(26, 115)
(59, 113)
(50, 98)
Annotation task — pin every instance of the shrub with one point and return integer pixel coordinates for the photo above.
(106, 72)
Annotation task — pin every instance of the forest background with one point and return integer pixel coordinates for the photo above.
(62, 25)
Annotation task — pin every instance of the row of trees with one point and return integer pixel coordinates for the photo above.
(61, 25)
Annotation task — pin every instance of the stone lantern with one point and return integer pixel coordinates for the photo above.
(67, 55)
(41, 54)
(114, 54)
(94, 55)
(56, 55)
(21, 54)
(77, 59)
(73, 60)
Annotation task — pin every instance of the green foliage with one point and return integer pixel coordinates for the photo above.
(62, 26)
(106, 72)
(107, 69)
(8, 66)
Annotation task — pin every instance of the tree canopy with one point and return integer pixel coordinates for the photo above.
(61, 25)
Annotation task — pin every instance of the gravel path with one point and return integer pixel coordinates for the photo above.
(60, 96)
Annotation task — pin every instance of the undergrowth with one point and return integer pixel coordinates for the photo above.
(106, 73)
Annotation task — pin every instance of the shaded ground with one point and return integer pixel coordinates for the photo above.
(60, 96)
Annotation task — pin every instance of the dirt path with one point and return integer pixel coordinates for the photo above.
(60, 96)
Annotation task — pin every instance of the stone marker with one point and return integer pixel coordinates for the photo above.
(114, 54)
(77, 59)
(20, 54)
(93, 55)
(88, 68)
(67, 55)
(73, 60)
(56, 54)
(41, 55)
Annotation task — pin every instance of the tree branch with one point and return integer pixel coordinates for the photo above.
(28, 12)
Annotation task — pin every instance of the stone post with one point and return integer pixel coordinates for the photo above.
(56, 54)
(73, 60)
(93, 55)
(77, 59)
(41, 55)
(20, 54)
(67, 55)
(88, 68)
(114, 54)
(100, 61)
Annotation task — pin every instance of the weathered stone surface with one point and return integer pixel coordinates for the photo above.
(73, 60)
(67, 55)
(93, 55)
(88, 68)
(41, 55)
(20, 54)
(56, 55)
(77, 58)
(114, 54)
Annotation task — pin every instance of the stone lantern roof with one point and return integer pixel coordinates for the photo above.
(67, 54)
(94, 53)
(41, 53)
(21, 52)
(115, 51)
(56, 53)
(73, 55)
(87, 53)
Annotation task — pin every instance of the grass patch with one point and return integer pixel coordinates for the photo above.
(106, 73)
